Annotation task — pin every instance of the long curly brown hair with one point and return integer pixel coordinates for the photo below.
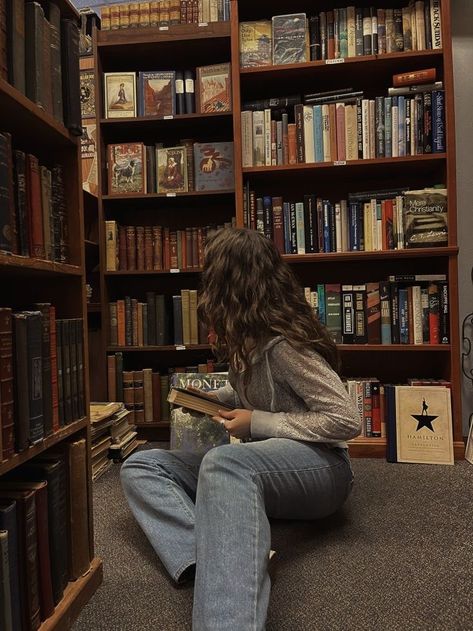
(249, 295)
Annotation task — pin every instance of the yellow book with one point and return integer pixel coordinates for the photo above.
(255, 43)
(186, 324)
(194, 326)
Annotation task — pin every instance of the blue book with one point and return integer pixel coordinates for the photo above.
(403, 316)
(390, 402)
(402, 125)
(322, 306)
(318, 134)
(293, 225)
(388, 147)
(286, 211)
(438, 121)
(327, 227)
(157, 93)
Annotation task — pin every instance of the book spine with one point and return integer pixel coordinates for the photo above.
(444, 324)
(438, 121)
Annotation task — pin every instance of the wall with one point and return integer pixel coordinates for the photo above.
(462, 32)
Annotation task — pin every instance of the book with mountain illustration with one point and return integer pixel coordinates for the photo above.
(192, 431)
(425, 218)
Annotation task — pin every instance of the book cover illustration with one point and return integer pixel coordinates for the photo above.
(214, 92)
(120, 94)
(424, 425)
(213, 166)
(89, 158)
(192, 432)
(425, 218)
(87, 93)
(157, 94)
(255, 43)
(171, 166)
(289, 39)
(126, 168)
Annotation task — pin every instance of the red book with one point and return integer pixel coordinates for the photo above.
(183, 236)
(140, 248)
(130, 248)
(200, 248)
(166, 249)
(415, 77)
(148, 248)
(54, 385)
(173, 257)
(189, 248)
(434, 313)
(278, 224)
(6, 383)
(34, 207)
(195, 249)
(291, 142)
(157, 248)
(388, 224)
(121, 322)
(330, 36)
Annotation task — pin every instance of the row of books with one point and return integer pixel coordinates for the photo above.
(146, 248)
(42, 368)
(40, 57)
(367, 221)
(113, 435)
(44, 534)
(404, 309)
(340, 33)
(368, 395)
(32, 205)
(164, 93)
(160, 321)
(163, 13)
(136, 168)
(352, 128)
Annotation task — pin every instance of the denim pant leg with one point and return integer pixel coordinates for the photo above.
(239, 487)
(160, 487)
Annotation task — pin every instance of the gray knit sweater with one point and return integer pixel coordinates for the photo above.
(294, 395)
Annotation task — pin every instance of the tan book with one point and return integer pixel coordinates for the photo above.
(351, 132)
(255, 43)
(144, 17)
(124, 15)
(196, 401)
(105, 18)
(148, 394)
(134, 14)
(79, 518)
(111, 377)
(194, 325)
(247, 139)
(47, 210)
(420, 24)
(111, 249)
(351, 31)
(154, 13)
(186, 324)
(138, 396)
(115, 17)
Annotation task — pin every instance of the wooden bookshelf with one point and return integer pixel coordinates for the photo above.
(26, 281)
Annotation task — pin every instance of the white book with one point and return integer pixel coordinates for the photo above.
(338, 228)
(344, 214)
(436, 23)
(213, 11)
(395, 131)
(300, 230)
(326, 133)
(351, 132)
(309, 133)
(372, 128)
(258, 139)
(365, 124)
(247, 139)
(307, 293)
(417, 314)
(400, 232)
(351, 31)
(267, 137)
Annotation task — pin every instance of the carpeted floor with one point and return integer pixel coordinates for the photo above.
(399, 556)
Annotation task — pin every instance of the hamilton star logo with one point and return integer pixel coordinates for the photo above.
(424, 419)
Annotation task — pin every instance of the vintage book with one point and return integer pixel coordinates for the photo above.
(189, 91)
(70, 74)
(15, 43)
(7, 430)
(213, 89)
(87, 93)
(196, 401)
(111, 239)
(156, 93)
(8, 523)
(126, 168)
(35, 80)
(255, 43)
(138, 396)
(120, 94)
(46, 203)
(424, 218)
(180, 92)
(7, 202)
(171, 165)
(47, 88)
(213, 164)
(66, 369)
(21, 202)
(44, 309)
(56, 60)
(4, 50)
(290, 39)
(35, 216)
(79, 526)
(416, 77)
(424, 425)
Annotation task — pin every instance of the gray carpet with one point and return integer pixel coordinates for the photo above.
(399, 556)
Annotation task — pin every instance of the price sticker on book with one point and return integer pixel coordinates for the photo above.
(339, 60)
(164, 28)
(339, 163)
(174, 270)
(180, 348)
(170, 194)
(168, 116)
(203, 23)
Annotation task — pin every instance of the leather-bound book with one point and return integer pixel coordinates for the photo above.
(53, 471)
(21, 202)
(3, 40)
(6, 383)
(54, 369)
(45, 176)
(44, 308)
(79, 549)
(56, 65)
(59, 215)
(16, 44)
(119, 373)
(138, 394)
(28, 377)
(151, 302)
(7, 199)
(157, 248)
(35, 211)
(71, 76)
(129, 393)
(112, 378)
(47, 87)
(122, 263)
(162, 321)
(156, 386)
(66, 371)
(194, 327)
(27, 556)
(8, 522)
(5, 591)
(177, 317)
(131, 248)
(80, 366)
(140, 248)
(34, 23)
(73, 360)
(148, 247)
(148, 394)
(60, 373)
(40, 489)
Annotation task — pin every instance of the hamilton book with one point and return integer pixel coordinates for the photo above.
(424, 425)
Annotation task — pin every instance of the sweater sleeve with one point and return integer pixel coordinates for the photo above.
(331, 415)
(226, 394)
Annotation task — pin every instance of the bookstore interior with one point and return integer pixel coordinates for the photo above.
(133, 133)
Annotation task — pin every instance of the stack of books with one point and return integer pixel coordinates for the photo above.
(113, 437)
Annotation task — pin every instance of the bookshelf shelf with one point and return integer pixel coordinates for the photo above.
(34, 450)
(153, 272)
(361, 165)
(168, 196)
(19, 114)
(389, 348)
(377, 255)
(12, 263)
(153, 35)
(163, 349)
(156, 120)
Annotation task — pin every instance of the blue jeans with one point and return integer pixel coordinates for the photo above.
(213, 512)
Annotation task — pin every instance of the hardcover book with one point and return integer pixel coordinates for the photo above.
(87, 93)
(290, 39)
(157, 94)
(425, 218)
(424, 425)
(120, 94)
(255, 43)
(192, 432)
(213, 163)
(214, 92)
(126, 168)
(171, 164)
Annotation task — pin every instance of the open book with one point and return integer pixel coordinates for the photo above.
(197, 401)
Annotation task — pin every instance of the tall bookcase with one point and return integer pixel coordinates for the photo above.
(394, 363)
(26, 281)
